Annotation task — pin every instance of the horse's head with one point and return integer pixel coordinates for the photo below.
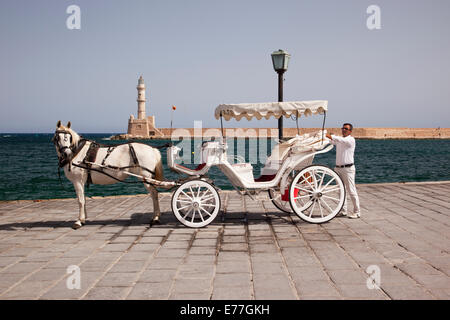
(65, 141)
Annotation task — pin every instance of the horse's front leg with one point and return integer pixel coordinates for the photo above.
(156, 210)
(79, 189)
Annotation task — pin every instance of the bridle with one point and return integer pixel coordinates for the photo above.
(56, 140)
(62, 158)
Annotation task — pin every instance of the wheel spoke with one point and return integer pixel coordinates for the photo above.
(209, 214)
(307, 203)
(334, 178)
(314, 178)
(187, 213)
(209, 198)
(275, 195)
(320, 208)
(203, 194)
(312, 209)
(189, 197)
(331, 190)
(200, 214)
(300, 197)
(326, 205)
(321, 180)
(184, 207)
(208, 204)
(336, 199)
(183, 200)
(207, 191)
(307, 181)
(300, 188)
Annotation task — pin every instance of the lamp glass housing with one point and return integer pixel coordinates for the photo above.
(280, 60)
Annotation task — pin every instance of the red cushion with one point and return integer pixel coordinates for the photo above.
(199, 167)
(265, 177)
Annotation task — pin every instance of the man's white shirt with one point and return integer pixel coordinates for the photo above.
(345, 149)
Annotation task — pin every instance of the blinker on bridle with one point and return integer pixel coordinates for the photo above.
(56, 139)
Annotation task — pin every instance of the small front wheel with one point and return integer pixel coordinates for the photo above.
(317, 194)
(196, 203)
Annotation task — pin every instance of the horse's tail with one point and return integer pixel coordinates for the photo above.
(159, 171)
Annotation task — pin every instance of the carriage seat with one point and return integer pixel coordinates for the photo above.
(300, 144)
(273, 162)
(172, 154)
(265, 177)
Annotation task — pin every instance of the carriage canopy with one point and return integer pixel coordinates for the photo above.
(270, 109)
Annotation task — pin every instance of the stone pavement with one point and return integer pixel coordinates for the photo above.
(401, 243)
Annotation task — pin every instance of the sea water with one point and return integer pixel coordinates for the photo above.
(29, 165)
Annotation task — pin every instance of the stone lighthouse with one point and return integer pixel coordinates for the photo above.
(144, 126)
(141, 98)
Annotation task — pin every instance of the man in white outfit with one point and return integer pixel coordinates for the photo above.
(345, 167)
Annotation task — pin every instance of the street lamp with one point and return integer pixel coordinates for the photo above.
(280, 60)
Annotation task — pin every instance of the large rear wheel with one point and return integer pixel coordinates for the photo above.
(317, 194)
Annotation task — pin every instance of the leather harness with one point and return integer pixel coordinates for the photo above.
(91, 156)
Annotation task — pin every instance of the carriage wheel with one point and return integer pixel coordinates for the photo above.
(276, 197)
(196, 203)
(317, 194)
(279, 200)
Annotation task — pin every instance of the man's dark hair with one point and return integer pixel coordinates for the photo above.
(348, 124)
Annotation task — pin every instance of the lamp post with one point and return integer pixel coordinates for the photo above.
(280, 60)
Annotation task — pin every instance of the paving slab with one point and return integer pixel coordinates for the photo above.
(398, 249)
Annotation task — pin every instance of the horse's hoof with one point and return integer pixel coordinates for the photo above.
(155, 221)
(77, 225)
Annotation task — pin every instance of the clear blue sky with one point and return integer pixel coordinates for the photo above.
(197, 54)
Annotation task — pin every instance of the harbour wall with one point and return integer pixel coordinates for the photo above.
(359, 133)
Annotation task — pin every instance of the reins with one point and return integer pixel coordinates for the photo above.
(59, 178)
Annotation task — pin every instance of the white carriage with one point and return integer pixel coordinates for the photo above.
(314, 192)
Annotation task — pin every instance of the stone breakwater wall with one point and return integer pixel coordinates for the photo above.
(359, 133)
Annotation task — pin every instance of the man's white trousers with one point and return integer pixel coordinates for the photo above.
(348, 177)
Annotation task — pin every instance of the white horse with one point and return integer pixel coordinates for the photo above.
(104, 165)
